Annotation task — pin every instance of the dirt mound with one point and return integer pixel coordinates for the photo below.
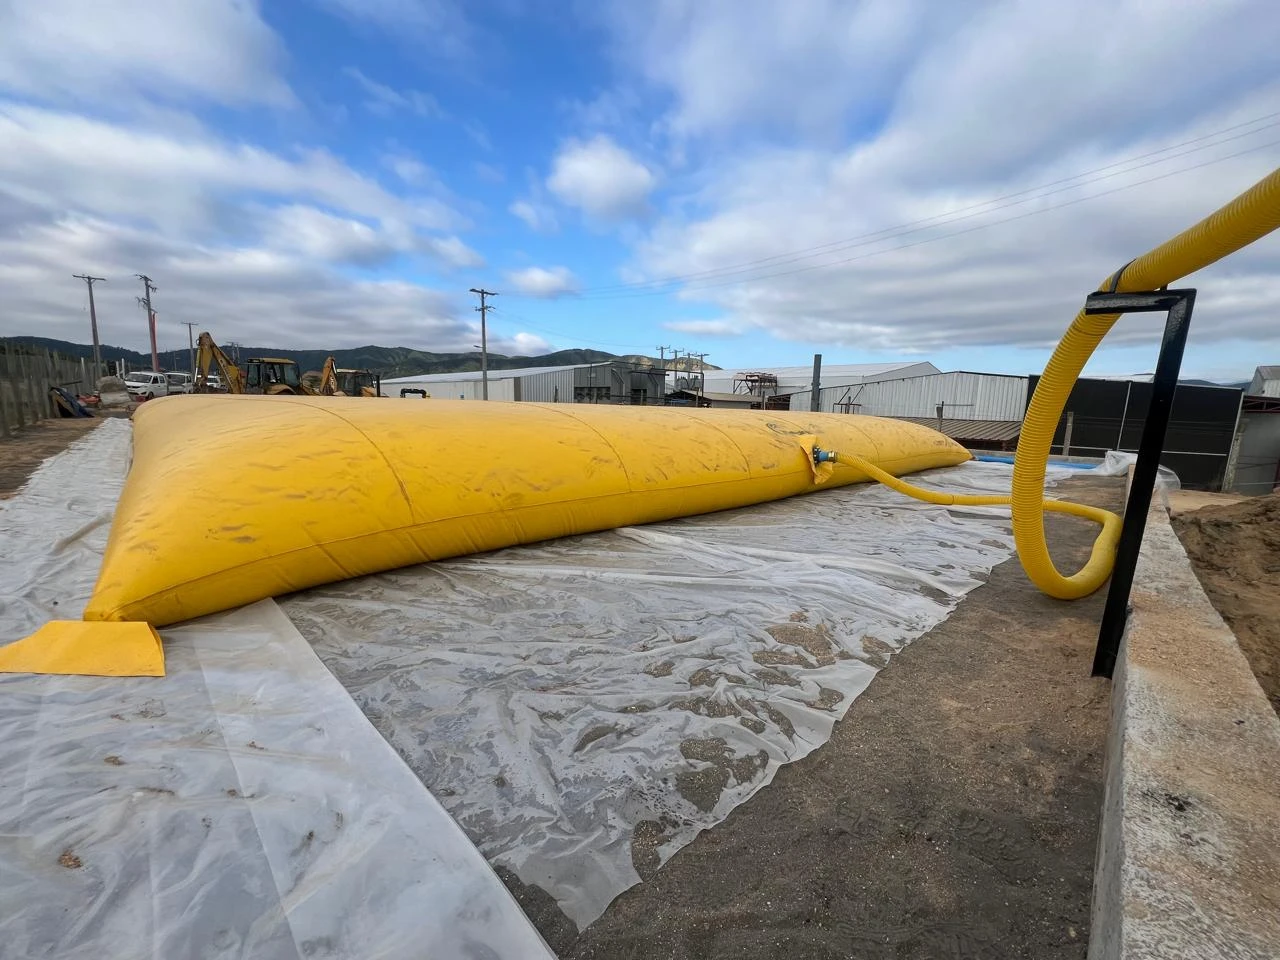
(1235, 551)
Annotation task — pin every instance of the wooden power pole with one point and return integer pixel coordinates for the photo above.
(191, 344)
(147, 288)
(93, 326)
(483, 310)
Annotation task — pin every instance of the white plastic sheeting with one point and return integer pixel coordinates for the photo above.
(240, 806)
(1116, 463)
(564, 698)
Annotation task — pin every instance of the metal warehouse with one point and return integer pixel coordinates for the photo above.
(610, 382)
(960, 395)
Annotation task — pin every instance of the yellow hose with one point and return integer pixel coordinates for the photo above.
(1250, 216)
(1104, 546)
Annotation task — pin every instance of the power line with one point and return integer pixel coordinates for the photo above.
(945, 236)
(954, 216)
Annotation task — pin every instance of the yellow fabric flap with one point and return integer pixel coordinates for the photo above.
(97, 649)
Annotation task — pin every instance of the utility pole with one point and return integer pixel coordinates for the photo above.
(93, 326)
(145, 300)
(662, 360)
(191, 344)
(483, 310)
(702, 375)
(815, 391)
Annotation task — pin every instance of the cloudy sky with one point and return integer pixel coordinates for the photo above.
(753, 179)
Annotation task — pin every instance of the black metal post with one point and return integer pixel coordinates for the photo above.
(1178, 304)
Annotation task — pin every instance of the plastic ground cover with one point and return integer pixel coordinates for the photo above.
(590, 704)
(240, 806)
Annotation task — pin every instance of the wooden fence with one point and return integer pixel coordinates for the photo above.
(26, 375)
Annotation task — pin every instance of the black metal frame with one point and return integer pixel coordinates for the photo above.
(1178, 305)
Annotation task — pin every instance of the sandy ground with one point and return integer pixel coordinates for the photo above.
(1189, 501)
(28, 448)
(953, 813)
(1235, 550)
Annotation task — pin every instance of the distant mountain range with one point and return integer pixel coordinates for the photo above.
(387, 361)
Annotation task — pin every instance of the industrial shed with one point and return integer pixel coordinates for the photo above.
(767, 382)
(1265, 382)
(961, 395)
(610, 382)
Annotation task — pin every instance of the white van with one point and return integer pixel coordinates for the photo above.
(146, 385)
(180, 382)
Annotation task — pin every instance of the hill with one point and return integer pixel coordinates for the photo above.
(388, 361)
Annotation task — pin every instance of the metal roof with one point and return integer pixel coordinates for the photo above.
(511, 374)
(993, 431)
(854, 369)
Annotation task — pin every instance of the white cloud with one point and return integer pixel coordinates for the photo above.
(194, 181)
(730, 64)
(255, 295)
(385, 101)
(240, 238)
(1016, 95)
(542, 282)
(220, 50)
(439, 25)
(451, 251)
(528, 345)
(706, 328)
(537, 216)
(601, 179)
(325, 237)
(410, 169)
(489, 173)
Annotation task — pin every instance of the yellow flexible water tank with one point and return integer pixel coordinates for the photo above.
(233, 499)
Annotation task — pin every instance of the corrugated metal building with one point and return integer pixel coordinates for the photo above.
(610, 382)
(1265, 382)
(789, 380)
(963, 395)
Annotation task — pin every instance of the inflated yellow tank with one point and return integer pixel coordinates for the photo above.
(231, 499)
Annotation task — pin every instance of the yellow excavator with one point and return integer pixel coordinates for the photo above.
(263, 375)
(341, 382)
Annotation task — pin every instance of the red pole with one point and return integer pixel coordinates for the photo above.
(155, 357)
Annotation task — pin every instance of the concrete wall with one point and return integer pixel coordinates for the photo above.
(1188, 859)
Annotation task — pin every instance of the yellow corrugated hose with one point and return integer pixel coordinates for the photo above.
(1250, 216)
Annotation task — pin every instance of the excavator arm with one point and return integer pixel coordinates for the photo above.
(209, 355)
(328, 379)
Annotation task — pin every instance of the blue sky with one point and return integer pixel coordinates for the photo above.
(756, 180)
